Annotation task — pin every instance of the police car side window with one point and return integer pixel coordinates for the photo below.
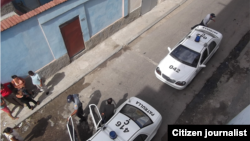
(204, 56)
(141, 137)
(211, 46)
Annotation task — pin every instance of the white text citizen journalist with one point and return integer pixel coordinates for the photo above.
(185, 132)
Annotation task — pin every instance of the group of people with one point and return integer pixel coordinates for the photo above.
(16, 93)
(23, 96)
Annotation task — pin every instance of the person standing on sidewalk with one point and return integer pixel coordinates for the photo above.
(26, 99)
(8, 95)
(36, 80)
(205, 21)
(6, 109)
(77, 106)
(19, 84)
(11, 134)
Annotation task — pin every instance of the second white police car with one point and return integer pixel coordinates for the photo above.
(134, 120)
(187, 58)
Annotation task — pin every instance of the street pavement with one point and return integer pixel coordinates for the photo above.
(88, 62)
(130, 70)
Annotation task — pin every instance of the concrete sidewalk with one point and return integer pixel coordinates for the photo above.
(81, 67)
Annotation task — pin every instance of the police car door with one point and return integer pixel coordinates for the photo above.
(95, 115)
(212, 48)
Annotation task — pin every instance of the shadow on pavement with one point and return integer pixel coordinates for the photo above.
(53, 82)
(83, 128)
(122, 100)
(39, 129)
(18, 112)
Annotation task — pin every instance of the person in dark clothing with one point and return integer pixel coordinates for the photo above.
(77, 106)
(108, 111)
(26, 99)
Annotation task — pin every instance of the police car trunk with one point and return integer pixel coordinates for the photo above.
(134, 118)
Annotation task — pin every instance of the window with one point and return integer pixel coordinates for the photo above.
(186, 55)
(204, 56)
(139, 117)
(141, 137)
(211, 46)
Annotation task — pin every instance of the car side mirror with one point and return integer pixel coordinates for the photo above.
(169, 49)
(202, 66)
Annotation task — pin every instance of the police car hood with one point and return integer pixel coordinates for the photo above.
(181, 72)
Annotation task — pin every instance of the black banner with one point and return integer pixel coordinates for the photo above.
(208, 132)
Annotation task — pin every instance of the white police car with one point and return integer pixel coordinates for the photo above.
(134, 120)
(187, 58)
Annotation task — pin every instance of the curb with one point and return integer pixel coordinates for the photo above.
(116, 51)
(49, 100)
(159, 19)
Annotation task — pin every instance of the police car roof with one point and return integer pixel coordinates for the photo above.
(196, 46)
(132, 127)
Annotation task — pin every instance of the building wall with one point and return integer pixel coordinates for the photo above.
(102, 13)
(37, 44)
(23, 48)
(51, 20)
(134, 4)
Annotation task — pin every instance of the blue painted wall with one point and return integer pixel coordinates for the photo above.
(102, 13)
(23, 48)
(36, 42)
(51, 20)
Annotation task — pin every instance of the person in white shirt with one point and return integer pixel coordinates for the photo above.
(11, 134)
(36, 80)
(205, 21)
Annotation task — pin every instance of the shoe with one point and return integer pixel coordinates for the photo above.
(15, 118)
(38, 103)
(32, 108)
(47, 93)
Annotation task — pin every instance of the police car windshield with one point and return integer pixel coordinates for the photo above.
(139, 117)
(186, 55)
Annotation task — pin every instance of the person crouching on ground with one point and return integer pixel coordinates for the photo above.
(26, 99)
(36, 80)
(11, 134)
(6, 109)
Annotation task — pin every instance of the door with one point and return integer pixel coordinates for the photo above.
(212, 47)
(95, 115)
(203, 60)
(72, 36)
(72, 131)
(147, 5)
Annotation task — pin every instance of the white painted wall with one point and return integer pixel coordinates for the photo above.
(134, 4)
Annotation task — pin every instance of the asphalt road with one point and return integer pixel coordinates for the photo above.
(131, 73)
